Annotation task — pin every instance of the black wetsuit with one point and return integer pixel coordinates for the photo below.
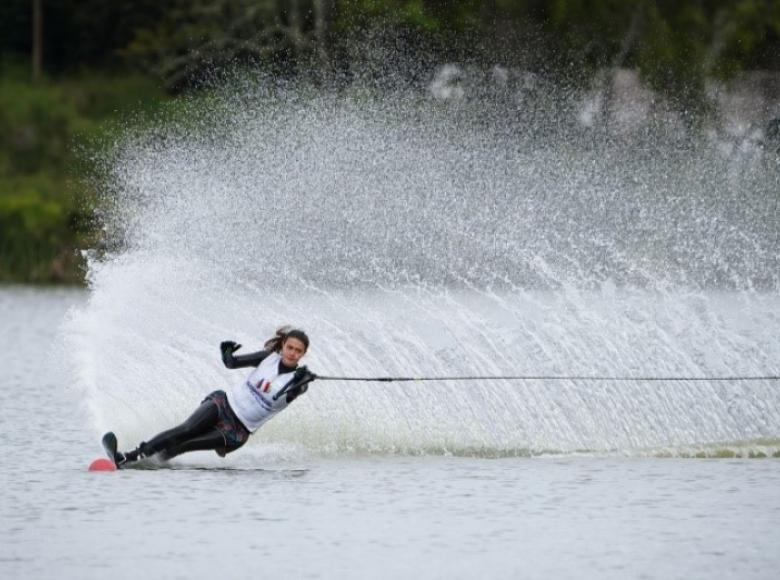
(200, 431)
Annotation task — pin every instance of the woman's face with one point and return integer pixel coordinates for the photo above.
(292, 351)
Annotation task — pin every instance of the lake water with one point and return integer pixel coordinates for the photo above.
(287, 508)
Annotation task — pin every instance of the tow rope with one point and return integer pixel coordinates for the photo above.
(552, 378)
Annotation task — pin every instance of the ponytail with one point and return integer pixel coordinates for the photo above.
(274, 344)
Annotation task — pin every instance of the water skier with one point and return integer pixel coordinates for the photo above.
(225, 420)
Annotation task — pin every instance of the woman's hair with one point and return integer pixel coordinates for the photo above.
(274, 344)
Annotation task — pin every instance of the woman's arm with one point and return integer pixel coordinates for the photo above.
(228, 347)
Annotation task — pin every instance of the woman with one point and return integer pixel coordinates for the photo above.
(224, 421)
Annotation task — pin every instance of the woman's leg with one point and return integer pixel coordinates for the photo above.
(202, 420)
(212, 440)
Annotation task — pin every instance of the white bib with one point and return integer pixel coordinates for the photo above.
(253, 400)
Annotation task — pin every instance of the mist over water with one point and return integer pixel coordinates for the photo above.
(411, 235)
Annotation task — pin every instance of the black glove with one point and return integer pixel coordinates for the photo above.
(299, 384)
(302, 373)
(228, 347)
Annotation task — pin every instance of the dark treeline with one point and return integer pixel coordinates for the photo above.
(674, 44)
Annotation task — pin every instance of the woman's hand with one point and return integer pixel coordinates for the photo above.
(228, 347)
(299, 384)
(303, 375)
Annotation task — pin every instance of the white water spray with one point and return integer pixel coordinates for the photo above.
(416, 237)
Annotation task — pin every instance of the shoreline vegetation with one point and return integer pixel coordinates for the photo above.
(72, 72)
(47, 202)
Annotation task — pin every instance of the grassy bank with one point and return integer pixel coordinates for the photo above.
(47, 131)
